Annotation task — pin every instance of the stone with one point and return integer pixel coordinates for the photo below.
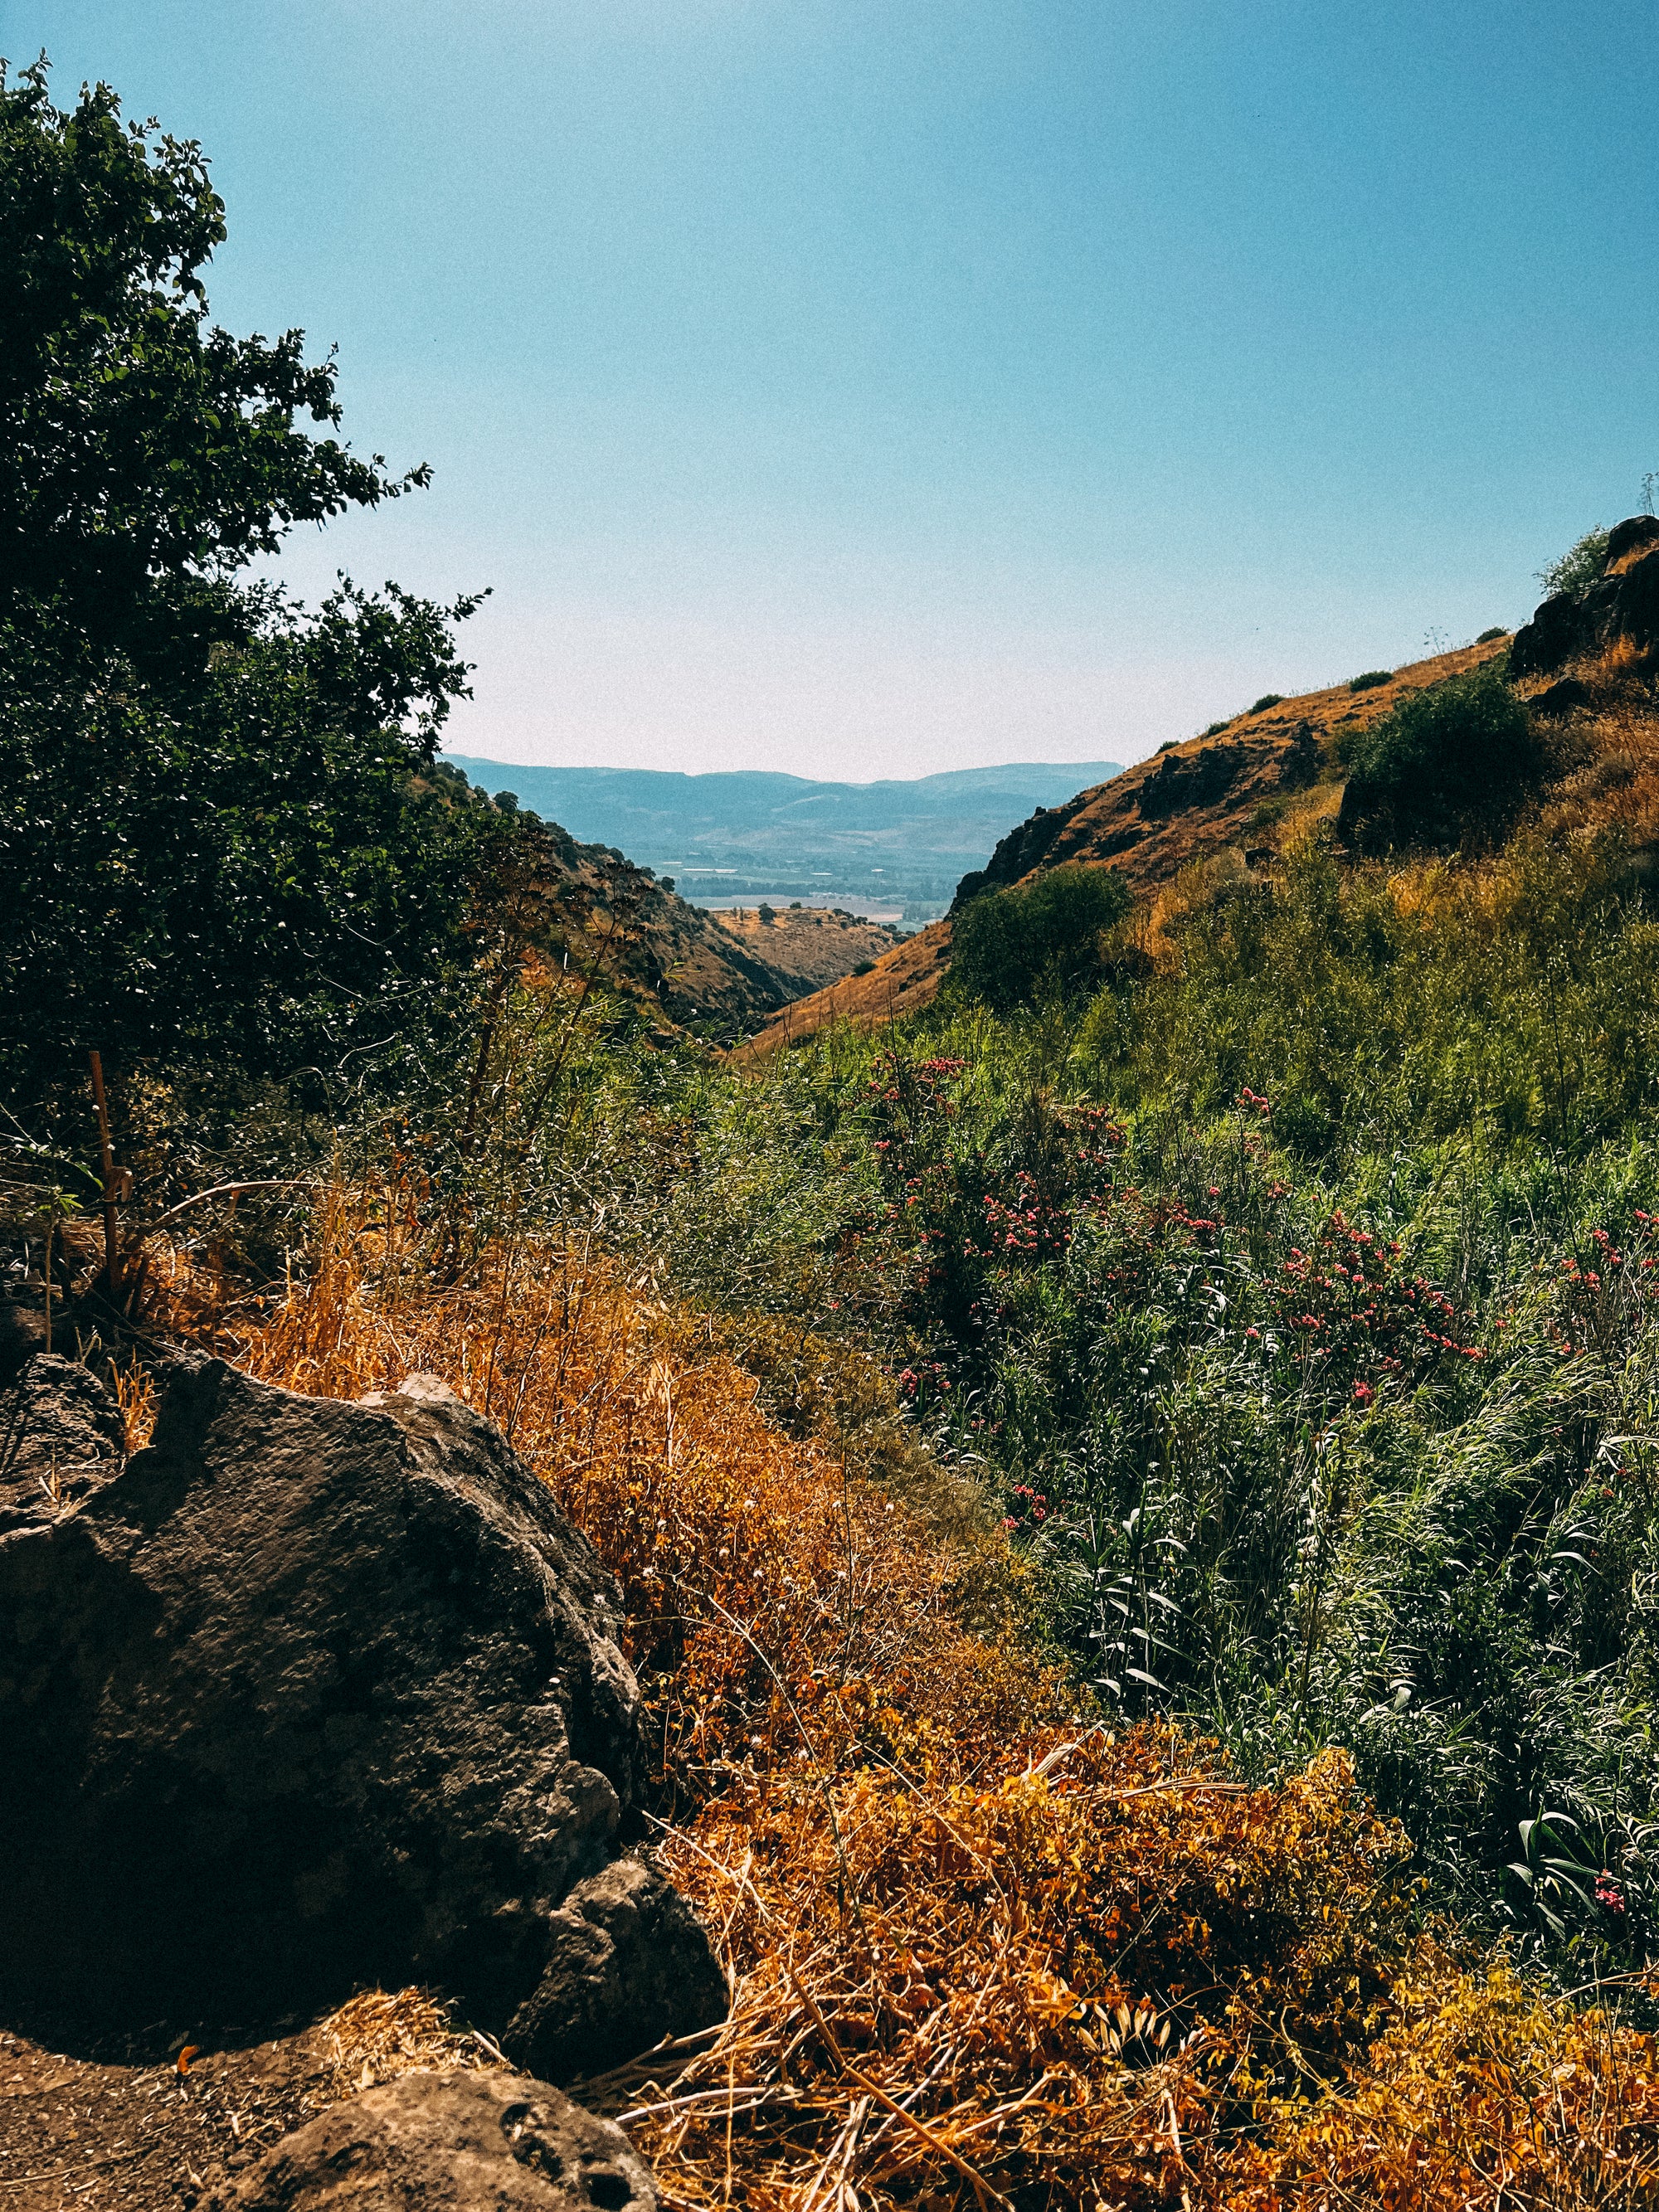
(22, 1334)
(453, 2141)
(62, 1437)
(628, 1964)
(1621, 606)
(1199, 779)
(1564, 696)
(310, 1696)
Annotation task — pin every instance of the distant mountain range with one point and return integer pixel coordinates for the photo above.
(749, 834)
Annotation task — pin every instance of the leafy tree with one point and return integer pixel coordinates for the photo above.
(143, 452)
(211, 827)
(1008, 947)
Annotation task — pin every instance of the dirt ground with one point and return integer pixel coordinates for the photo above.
(77, 2132)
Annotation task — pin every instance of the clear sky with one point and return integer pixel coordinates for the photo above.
(867, 389)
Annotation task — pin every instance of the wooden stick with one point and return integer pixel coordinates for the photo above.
(106, 1162)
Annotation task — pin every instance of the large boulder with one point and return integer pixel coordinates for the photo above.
(310, 1695)
(1620, 604)
(450, 2143)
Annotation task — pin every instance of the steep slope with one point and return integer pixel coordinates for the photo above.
(602, 912)
(902, 982)
(808, 947)
(1241, 785)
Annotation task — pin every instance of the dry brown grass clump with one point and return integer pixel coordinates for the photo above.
(1054, 1983)
(377, 2035)
(768, 1587)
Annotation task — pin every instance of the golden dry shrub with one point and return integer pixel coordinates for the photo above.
(1484, 2095)
(773, 1598)
(1052, 1982)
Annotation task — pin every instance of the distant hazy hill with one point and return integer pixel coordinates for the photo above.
(750, 833)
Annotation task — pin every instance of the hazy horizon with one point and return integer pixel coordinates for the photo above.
(612, 768)
(856, 390)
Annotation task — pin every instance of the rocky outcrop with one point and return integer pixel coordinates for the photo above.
(449, 2142)
(1622, 604)
(311, 1695)
(1199, 779)
(1024, 848)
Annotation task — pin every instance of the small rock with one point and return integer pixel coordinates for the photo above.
(628, 1964)
(461, 2141)
(1563, 698)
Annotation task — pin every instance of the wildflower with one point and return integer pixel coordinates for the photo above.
(1608, 1895)
(1364, 1392)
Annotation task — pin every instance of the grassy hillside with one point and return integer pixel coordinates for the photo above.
(1245, 788)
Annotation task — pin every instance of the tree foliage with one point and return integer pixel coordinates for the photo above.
(1450, 763)
(208, 824)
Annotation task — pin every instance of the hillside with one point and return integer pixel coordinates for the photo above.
(1243, 785)
(723, 974)
(752, 833)
(807, 947)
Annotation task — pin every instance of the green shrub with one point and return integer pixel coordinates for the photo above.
(1370, 679)
(1580, 565)
(865, 968)
(1267, 699)
(1011, 947)
(1450, 763)
(1486, 637)
(1210, 730)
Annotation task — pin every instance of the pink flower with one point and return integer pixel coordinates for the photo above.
(1608, 1895)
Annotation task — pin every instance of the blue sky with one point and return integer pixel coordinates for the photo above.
(864, 390)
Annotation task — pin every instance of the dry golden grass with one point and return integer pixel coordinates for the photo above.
(982, 1952)
(377, 2036)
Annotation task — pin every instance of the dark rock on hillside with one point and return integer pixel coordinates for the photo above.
(449, 2142)
(1024, 848)
(1199, 779)
(309, 1695)
(1622, 604)
(1564, 696)
(626, 1964)
(1301, 761)
(61, 1436)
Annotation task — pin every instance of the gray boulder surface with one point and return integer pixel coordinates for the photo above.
(628, 1963)
(450, 2143)
(310, 1695)
(61, 1437)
